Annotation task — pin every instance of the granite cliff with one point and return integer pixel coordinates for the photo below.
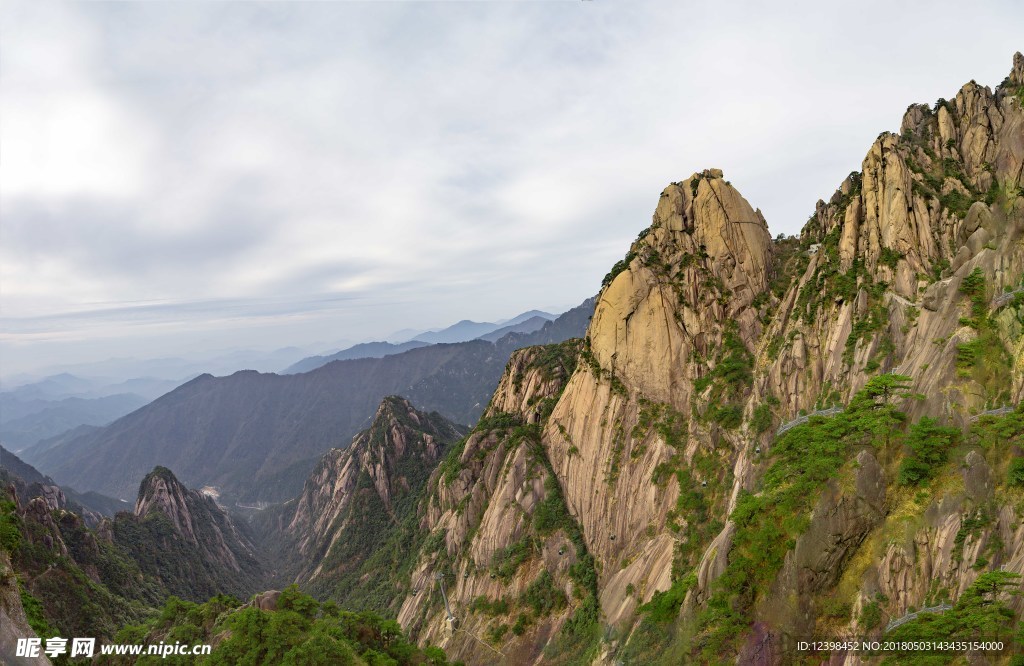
(636, 499)
(357, 505)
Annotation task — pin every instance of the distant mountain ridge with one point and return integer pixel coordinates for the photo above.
(525, 326)
(57, 404)
(463, 331)
(257, 436)
(470, 330)
(362, 350)
(29, 482)
(62, 415)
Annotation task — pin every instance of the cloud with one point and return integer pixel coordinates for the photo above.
(424, 162)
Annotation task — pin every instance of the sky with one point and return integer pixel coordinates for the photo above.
(183, 177)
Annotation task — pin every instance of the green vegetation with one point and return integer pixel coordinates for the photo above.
(491, 607)
(10, 526)
(981, 613)
(985, 358)
(889, 257)
(728, 380)
(1015, 474)
(991, 432)
(703, 493)
(507, 561)
(665, 420)
(35, 614)
(543, 597)
(577, 641)
(59, 597)
(369, 568)
(789, 263)
(299, 631)
(620, 265)
(768, 524)
(929, 445)
(452, 463)
(184, 570)
(870, 615)
(762, 418)
(556, 360)
(692, 518)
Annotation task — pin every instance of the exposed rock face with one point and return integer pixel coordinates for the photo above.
(658, 328)
(203, 551)
(266, 601)
(701, 263)
(709, 335)
(195, 516)
(28, 484)
(930, 205)
(839, 524)
(386, 465)
(494, 548)
(13, 622)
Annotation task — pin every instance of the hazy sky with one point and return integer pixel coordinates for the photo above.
(183, 176)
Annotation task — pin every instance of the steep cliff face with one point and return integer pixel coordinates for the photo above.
(666, 368)
(13, 622)
(900, 303)
(910, 269)
(182, 537)
(72, 582)
(356, 495)
(878, 284)
(503, 546)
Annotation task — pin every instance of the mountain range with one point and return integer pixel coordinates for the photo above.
(256, 436)
(748, 441)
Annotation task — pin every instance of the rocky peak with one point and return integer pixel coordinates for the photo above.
(1017, 74)
(385, 464)
(161, 492)
(706, 337)
(533, 380)
(877, 281)
(197, 520)
(499, 520)
(399, 435)
(907, 212)
(700, 265)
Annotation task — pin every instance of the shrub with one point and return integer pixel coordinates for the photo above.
(929, 444)
(870, 615)
(1016, 472)
(10, 532)
(762, 419)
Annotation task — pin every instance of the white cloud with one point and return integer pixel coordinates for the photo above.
(439, 160)
(61, 134)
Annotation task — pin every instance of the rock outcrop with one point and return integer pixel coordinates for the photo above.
(202, 550)
(706, 337)
(509, 555)
(891, 249)
(13, 622)
(355, 497)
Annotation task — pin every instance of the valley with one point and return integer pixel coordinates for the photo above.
(743, 442)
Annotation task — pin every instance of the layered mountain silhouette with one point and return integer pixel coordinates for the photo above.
(256, 436)
(754, 441)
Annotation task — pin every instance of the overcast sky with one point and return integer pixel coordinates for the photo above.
(184, 176)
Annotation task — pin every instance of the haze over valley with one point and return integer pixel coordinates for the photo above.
(512, 333)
